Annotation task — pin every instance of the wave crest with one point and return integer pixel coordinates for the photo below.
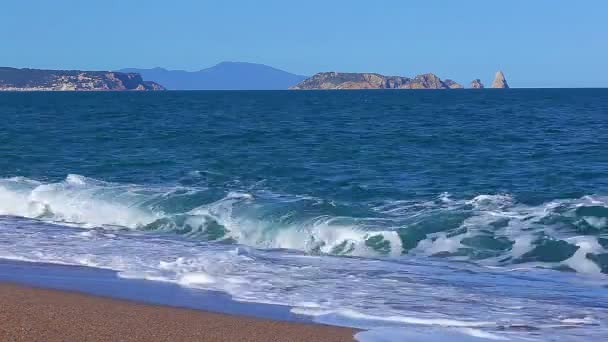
(494, 230)
(236, 217)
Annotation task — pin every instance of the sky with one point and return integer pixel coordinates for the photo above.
(537, 43)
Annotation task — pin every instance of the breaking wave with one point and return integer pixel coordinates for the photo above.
(491, 230)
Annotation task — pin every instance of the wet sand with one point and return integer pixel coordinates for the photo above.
(33, 314)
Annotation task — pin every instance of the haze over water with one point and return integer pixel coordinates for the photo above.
(476, 213)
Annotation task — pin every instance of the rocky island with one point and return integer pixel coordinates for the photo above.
(476, 84)
(500, 82)
(341, 80)
(12, 79)
(345, 80)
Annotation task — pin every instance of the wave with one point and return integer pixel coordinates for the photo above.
(266, 220)
(76, 200)
(492, 230)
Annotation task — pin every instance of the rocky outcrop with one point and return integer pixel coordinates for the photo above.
(452, 84)
(500, 81)
(72, 80)
(476, 84)
(427, 81)
(340, 80)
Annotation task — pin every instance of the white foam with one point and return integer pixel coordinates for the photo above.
(579, 261)
(196, 278)
(77, 199)
(17, 203)
(581, 321)
(491, 201)
(438, 243)
(482, 334)
(522, 245)
(431, 335)
(444, 322)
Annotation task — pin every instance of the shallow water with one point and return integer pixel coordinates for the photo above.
(478, 213)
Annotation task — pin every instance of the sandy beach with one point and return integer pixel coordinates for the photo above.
(33, 314)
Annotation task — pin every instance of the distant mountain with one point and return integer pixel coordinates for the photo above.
(13, 79)
(224, 76)
(341, 80)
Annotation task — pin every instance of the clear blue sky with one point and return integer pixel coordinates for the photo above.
(555, 43)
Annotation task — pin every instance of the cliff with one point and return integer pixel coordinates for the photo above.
(500, 81)
(72, 80)
(340, 80)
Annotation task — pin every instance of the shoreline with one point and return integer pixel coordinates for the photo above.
(106, 283)
(38, 314)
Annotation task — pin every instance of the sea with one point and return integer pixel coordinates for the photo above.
(469, 215)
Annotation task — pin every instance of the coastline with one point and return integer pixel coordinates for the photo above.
(49, 302)
(36, 314)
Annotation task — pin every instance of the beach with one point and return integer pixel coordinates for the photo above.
(34, 314)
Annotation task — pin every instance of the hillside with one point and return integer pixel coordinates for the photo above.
(71, 80)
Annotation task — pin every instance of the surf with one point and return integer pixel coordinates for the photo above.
(490, 230)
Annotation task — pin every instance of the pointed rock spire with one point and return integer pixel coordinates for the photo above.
(500, 81)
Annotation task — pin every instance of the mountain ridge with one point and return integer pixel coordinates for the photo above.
(222, 76)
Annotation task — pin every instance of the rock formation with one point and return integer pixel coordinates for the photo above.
(72, 80)
(452, 84)
(476, 84)
(427, 81)
(340, 80)
(500, 81)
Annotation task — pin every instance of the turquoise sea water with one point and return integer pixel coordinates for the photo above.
(479, 213)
